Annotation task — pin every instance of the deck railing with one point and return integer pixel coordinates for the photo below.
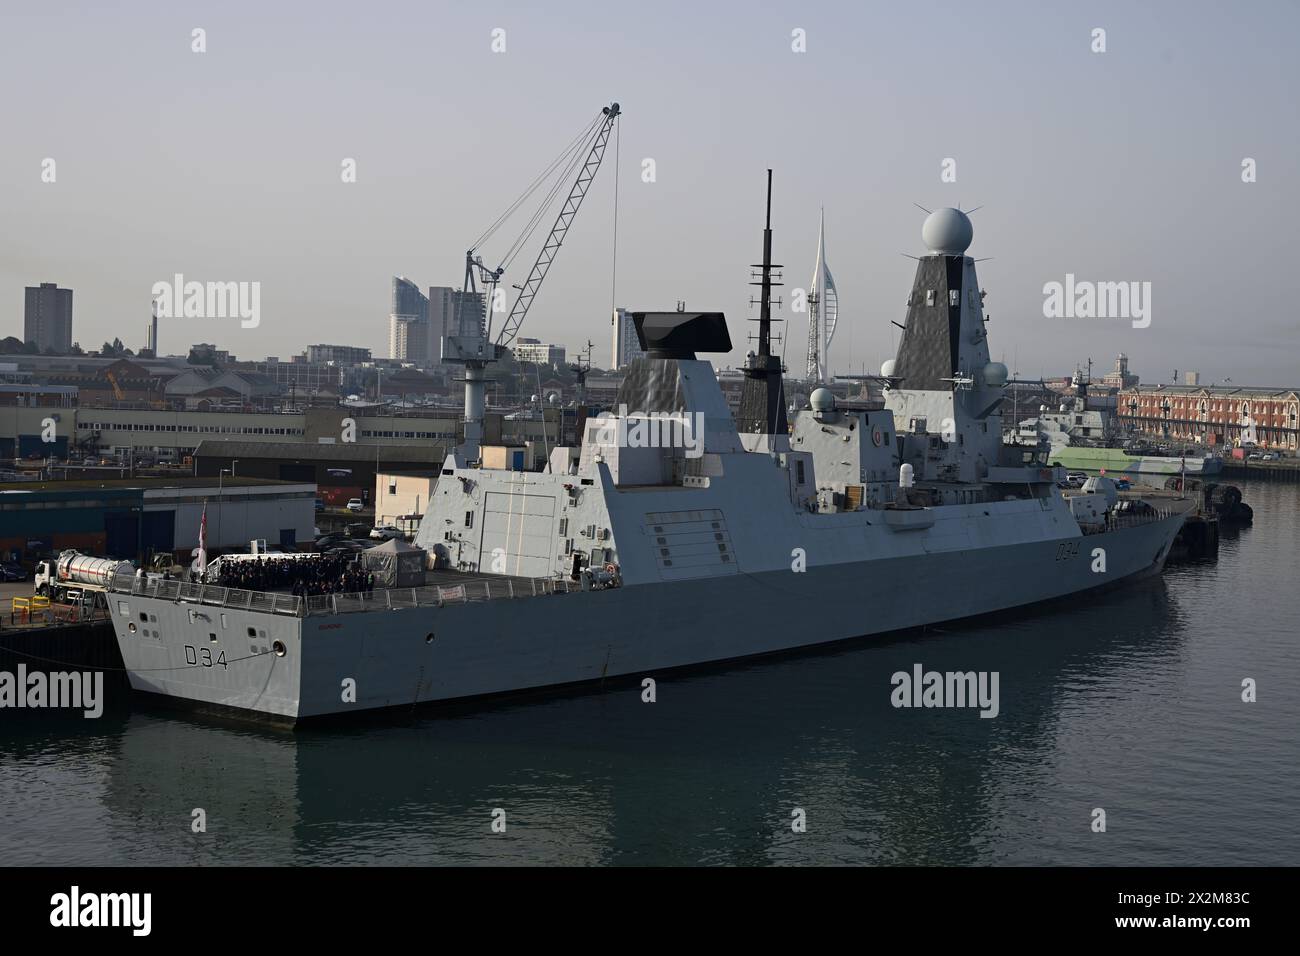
(471, 591)
(1114, 522)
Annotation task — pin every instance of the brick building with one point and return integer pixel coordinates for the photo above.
(1215, 414)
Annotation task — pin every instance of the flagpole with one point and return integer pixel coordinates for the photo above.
(201, 552)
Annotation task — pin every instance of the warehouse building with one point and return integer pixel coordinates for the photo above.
(339, 471)
(135, 519)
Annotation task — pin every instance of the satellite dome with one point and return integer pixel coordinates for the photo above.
(822, 400)
(947, 232)
(995, 374)
(887, 368)
(534, 398)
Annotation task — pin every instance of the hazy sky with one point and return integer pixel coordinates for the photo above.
(225, 165)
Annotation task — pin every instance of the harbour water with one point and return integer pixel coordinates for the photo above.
(1130, 703)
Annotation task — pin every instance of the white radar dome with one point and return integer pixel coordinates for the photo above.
(887, 368)
(822, 400)
(947, 232)
(995, 374)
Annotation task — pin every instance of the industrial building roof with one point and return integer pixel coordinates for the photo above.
(143, 484)
(303, 451)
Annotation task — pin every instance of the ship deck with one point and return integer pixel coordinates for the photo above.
(439, 588)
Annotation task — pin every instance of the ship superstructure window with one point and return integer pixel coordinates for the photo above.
(929, 297)
(954, 297)
(469, 519)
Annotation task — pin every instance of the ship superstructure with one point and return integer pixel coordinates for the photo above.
(672, 535)
(1081, 435)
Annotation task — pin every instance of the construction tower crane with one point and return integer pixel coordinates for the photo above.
(473, 345)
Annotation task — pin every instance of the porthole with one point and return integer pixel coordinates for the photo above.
(278, 647)
(428, 638)
(252, 632)
(131, 627)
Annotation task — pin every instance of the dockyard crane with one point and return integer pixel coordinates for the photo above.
(475, 347)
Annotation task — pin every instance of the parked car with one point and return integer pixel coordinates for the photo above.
(1123, 484)
(347, 546)
(12, 572)
(1255, 456)
(382, 532)
(354, 504)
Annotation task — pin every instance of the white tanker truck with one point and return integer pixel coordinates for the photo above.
(74, 575)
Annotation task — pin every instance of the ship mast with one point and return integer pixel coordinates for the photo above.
(762, 405)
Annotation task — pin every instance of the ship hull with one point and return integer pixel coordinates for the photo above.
(1115, 461)
(333, 664)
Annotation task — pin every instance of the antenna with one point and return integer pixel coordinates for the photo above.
(762, 409)
(765, 284)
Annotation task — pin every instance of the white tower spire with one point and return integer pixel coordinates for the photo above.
(823, 311)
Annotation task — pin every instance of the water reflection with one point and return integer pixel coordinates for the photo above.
(1127, 700)
(711, 772)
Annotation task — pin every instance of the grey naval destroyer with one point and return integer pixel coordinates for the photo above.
(747, 535)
